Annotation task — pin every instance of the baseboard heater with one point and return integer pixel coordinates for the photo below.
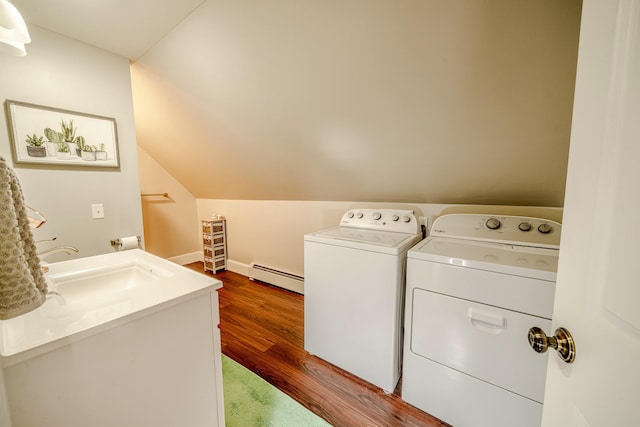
(276, 277)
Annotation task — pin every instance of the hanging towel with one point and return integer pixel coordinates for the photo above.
(22, 284)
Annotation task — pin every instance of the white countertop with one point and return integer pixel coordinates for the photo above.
(98, 292)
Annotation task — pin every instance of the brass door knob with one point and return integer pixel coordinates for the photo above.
(562, 341)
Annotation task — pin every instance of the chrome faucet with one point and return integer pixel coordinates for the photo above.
(66, 249)
(57, 296)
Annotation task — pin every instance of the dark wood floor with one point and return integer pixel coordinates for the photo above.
(262, 329)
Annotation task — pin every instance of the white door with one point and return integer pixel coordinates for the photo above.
(598, 287)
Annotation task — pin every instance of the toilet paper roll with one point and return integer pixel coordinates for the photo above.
(129, 242)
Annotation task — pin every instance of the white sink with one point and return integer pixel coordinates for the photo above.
(93, 283)
(93, 291)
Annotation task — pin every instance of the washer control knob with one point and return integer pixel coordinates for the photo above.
(360, 215)
(493, 223)
(544, 228)
(350, 214)
(394, 217)
(377, 215)
(524, 226)
(406, 218)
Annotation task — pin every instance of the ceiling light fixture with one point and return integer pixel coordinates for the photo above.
(13, 30)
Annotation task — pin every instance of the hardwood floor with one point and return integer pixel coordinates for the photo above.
(262, 329)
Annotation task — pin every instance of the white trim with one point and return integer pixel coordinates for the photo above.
(238, 267)
(234, 266)
(187, 258)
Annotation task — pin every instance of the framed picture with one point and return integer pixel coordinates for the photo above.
(56, 137)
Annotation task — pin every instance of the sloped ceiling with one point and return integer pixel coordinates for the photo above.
(126, 27)
(433, 101)
(427, 101)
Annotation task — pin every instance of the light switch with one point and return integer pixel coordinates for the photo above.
(97, 211)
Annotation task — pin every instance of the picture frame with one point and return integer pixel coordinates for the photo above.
(57, 137)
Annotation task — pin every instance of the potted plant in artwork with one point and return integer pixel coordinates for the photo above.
(89, 153)
(101, 153)
(54, 139)
(63, 152)
(35, 146)
(79, 145)
(68, 134)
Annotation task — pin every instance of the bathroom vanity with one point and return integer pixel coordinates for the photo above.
(128, 339)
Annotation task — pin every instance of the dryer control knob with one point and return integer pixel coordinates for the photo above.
(493, 223)
(350, 214)
(406, 218)
(395, 217)
(360, 215)
(544, 228)
(524, 226)
(377, 215)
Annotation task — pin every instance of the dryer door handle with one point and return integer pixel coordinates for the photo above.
(487, 321)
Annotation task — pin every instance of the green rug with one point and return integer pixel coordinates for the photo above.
(250, 401)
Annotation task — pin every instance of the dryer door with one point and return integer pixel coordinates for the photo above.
(479, 340)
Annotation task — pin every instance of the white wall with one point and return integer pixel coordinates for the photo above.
(63, 73)
(60, 72)
(5, 419)
(170, 223)
(272, 232)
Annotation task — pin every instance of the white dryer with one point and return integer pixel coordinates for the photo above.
(474, 288)
(354, 292)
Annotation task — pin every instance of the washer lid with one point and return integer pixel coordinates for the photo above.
(526, 261)
(380, 241)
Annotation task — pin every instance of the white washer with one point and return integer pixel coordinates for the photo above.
(354, 292)
(474, 288)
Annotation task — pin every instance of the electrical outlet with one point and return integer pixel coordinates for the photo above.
(97, 211)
